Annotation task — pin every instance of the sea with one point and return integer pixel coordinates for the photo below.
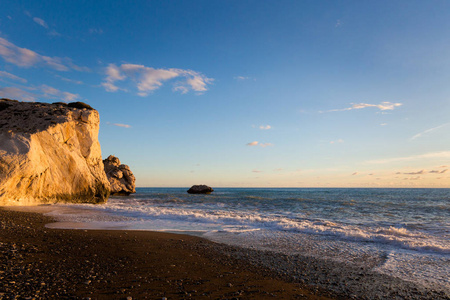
(407, 229)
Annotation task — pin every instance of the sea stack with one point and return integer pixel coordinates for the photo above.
(120, 177)
(50, 153)
(200, 189)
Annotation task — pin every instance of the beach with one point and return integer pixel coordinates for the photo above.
(42, 263)
(38, 262)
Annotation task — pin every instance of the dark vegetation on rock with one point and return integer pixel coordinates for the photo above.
(79, 105)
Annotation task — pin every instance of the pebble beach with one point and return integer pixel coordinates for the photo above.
(42, 263)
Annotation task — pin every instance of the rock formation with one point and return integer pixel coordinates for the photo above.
(200, 189)
(120, 177)
(50, 153)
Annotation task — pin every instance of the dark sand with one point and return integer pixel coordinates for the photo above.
(41, 263)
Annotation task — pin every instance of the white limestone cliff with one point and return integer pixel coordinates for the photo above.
(50, 153)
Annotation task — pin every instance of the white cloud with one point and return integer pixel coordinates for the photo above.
(382, 106)
(12, 76)
(420, 134)
(26, 58)
(256, 143)
(113, 75)
(338, 23)
(383, 124)
(148, 79)
(430, 155)
(265, 127)
(40, 22)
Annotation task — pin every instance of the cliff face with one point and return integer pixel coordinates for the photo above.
(50, 153)
(120, 177)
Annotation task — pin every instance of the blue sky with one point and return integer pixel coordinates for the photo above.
(246, 93)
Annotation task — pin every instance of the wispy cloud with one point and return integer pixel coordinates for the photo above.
(382, 106)
(242, 78)
(96, 31)
(122, 125)
(12, 77)
(355, 173)
(339, 141)
(34, 93)
(68, 79)
(338, 23)
(420, 134)
(26, 58)
(256, 143)
(44, 24)
(256, 171)
(265, 127)
(437, 171)
(51, 92)
(412, 178)
(40, 22)
(430, 155)
(17, 93)
(149, 79)
(415, 173)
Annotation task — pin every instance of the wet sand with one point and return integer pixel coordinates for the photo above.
(41, 263)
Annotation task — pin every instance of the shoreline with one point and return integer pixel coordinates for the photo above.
(41, 263)
(152, 265)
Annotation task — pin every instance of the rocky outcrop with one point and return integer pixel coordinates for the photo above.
(120, 177)
(200, 189)
(50, 153)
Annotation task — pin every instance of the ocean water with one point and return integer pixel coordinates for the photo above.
(405, 232)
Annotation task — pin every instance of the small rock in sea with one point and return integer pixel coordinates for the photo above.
(200, 189)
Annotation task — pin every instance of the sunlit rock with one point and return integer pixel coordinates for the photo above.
(50, 153)
(120, 177)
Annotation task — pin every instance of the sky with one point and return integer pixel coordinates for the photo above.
(246, 93)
